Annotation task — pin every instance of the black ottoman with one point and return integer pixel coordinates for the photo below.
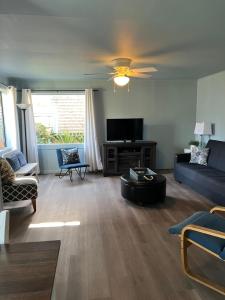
(144, 192)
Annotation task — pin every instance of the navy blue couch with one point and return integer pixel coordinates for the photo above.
(207, 180)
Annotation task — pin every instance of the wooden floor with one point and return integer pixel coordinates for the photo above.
(119, 251)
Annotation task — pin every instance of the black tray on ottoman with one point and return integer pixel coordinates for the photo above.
(141, 174)
(144, 192)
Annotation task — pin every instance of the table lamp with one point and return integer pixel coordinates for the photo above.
(203, 128)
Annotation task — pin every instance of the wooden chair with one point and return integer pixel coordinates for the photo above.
(205, 230)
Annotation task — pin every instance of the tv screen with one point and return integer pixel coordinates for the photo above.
(124, 129)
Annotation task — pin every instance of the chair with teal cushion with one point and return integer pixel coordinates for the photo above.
(206, 230)
(69, 167)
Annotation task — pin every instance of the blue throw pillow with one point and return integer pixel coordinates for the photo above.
(14, 162)
(22, 159)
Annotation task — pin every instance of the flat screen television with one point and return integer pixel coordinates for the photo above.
(124, 129)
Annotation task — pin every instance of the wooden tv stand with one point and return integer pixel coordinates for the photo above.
(119, 157)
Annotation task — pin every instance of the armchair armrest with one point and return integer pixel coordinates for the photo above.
(203, 230)
(217, 208)
(26, 180)
(182, 157)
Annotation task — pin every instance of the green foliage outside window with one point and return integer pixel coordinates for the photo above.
(47, 136)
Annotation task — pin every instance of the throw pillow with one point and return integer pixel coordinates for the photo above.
(199, 156)
(22, 159)
(70, 156)
(6, 172)
(14, 162)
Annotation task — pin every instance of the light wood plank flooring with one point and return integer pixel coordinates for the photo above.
(119, 251)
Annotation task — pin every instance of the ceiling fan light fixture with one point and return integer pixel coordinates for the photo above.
(121, 80)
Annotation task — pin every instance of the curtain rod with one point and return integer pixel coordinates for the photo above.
(3, 84)
(59, 91)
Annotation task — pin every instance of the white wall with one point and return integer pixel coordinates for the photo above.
(167, 106)
(211, 102)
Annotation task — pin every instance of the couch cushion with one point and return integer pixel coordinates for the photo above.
(28, 168)
(22, 159)
(216, 157)
(14, 162)
(73, 166)
(204, 176)
(192, 170)
(207, 220)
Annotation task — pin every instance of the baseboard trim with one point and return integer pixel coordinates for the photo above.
(164, 171)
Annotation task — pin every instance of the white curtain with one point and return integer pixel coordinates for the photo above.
(91, 147)
(31, 139)
(9, 98)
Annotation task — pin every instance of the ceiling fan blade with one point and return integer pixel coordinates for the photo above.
(145, 69)
(110, 78)
(137, 75)
(93, 74)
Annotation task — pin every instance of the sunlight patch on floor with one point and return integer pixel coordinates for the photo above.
(54, 224)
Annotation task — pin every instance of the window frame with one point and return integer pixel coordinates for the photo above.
(56, 93)
(3, 122)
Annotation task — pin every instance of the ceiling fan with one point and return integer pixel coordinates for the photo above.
(122, 71)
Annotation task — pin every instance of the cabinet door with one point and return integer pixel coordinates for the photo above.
(111, 159)
(148, 157)
(125, 163)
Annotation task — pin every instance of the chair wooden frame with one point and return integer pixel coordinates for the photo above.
(186, 242)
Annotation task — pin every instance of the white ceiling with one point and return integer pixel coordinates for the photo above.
(63, 39)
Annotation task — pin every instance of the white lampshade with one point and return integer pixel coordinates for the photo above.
(203, 128)
(121, 80)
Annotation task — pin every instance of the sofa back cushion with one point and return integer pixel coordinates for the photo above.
(10, 156)
(14, 162)
(216, 157)
(22, 159)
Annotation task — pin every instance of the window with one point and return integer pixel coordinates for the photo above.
(59, 118)
(2, 128)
